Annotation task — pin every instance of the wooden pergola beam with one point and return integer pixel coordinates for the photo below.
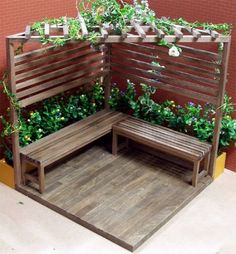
(134, 38)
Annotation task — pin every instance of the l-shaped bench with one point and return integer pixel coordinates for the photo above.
(60, 144)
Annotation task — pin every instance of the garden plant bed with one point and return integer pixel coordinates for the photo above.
(126, 198)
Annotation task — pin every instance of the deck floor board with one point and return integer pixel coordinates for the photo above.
(125, 198)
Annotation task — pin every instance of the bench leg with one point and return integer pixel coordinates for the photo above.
(127, 143)
(114, 143)
(41, 178)
(207, 163)
(23, 171)
(195, 173)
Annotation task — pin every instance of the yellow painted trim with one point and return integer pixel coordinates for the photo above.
(7, 174)
(220, 165)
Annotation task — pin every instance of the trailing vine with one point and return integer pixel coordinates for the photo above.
(116, 16)
(8, 127)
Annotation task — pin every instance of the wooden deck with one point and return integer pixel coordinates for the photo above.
(125, 198)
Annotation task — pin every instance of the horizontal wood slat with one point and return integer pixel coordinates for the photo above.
(49, 50)
(59, 80)
(52, 58)
(61, 72)
(159, 50)
(62, 63)
(166, 87)
(62, 88)
(180, 84)
(195, 51)
(151, 57)
(59, 135)
(166, 70)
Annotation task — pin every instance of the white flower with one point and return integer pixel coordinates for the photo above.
(173, 51)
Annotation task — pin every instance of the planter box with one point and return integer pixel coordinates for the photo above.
(220, 165)
(7, 174)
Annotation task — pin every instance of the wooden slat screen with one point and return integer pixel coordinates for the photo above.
(194, 74)
(43, 73)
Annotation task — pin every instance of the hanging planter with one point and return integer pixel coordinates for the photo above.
(7, 174)
(220, 165)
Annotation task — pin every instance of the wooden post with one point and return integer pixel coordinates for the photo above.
(14, 118)
(107, 80)
(219, 111)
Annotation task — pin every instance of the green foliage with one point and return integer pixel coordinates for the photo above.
(192, 119)
(60, 111)
(122, 100)
(53, 114)
(115, 17)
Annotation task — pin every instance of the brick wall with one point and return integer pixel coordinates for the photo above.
(15, 14)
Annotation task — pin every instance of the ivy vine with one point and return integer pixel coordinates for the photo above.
(116, 17)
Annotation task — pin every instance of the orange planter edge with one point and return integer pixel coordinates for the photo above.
(220, 165)
(7, 174)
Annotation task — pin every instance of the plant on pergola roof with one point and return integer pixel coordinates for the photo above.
(117, 21)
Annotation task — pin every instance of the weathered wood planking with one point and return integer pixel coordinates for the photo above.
(126, 198)
(60, 144)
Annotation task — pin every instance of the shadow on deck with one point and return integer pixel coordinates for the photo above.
(126, 198)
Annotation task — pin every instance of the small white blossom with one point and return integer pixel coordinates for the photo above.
(173, 51)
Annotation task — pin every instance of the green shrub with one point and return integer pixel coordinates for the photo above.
(53, 114)
(193, 119)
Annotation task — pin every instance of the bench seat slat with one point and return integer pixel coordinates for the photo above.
(170, 142)
(168, 136)
(76, 141)
(64, 142)
(163, 138)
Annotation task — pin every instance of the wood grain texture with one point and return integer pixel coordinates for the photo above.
(125, 198)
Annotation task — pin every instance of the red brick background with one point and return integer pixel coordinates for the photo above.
(15, 14)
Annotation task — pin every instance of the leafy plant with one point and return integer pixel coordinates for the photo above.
(53, 114)
(192, 119)
(116, 16)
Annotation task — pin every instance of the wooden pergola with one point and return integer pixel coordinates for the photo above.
(199, 74)
(138, 46)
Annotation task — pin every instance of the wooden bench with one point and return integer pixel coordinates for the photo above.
(166, 140)
(56, 146)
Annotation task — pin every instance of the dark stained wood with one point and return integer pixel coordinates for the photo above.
(163, 139)
(164, 86)
(38, 53)
(125, 198)
(62, 88)
(14, 117)
(38, 62)
(66, 141)
(219, 105)
(54, 66)
(55, 74)
(165, 74)
(107, 79)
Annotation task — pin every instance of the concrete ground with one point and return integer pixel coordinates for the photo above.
(206, 226)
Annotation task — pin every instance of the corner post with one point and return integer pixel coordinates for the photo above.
(14, 119)
(107, 80)
(220, 101)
